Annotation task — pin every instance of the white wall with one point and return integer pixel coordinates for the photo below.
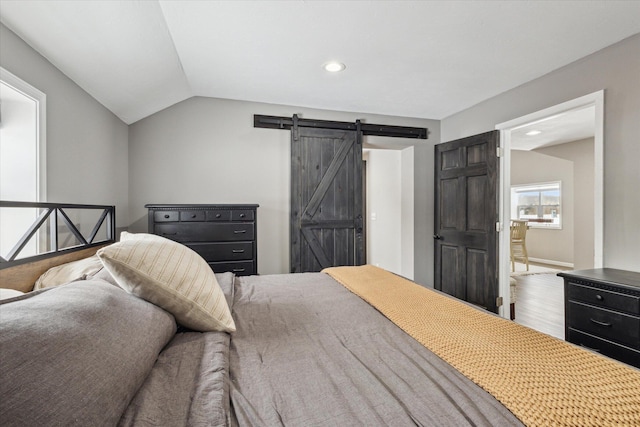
(87, 153)
(384, 209)
(614, 69)
(206, 150)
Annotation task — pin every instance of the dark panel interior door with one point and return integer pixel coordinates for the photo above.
(326, 199)
(466, 212)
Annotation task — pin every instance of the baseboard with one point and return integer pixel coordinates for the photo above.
(551, 262)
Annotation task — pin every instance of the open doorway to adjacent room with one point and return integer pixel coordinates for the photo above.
(22, 158)
(389, 206)
(552, 174)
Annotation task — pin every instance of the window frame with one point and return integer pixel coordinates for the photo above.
(537, 187)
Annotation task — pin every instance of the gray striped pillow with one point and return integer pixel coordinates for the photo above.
(171, 276)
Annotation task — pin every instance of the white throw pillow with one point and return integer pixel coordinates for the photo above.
(171, 276)
(69, 272)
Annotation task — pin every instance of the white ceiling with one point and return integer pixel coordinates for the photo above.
(571, 126)
(425, 59)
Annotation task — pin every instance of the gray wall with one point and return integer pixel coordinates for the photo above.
(206, 150)
(87, 150)
(530, 167)
(581, 155)
(615, 69)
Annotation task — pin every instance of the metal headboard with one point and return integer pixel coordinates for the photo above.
(53, 212)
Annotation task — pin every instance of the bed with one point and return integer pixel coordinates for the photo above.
(348, 346)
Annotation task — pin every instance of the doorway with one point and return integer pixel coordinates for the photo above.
(389, 207)
(23, 157)
(509, 131)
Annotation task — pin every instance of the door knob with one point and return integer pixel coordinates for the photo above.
(437, 237)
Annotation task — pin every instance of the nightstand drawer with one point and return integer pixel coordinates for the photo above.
(603, 346)
(604, 298)
(166, 216)
(233, 251)
(206, 231)
(616, 327)
(240, 268)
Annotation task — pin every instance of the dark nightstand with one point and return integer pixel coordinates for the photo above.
(602, 312)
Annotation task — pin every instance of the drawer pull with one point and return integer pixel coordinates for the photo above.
(193, 215)
(169, 234)
(239, 270)
(599, 297)
(597, 322)
(218, 215)
(237, 251)
(242, 215)
(166, 216)
(239, 231)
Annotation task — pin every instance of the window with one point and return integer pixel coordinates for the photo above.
(540, 204)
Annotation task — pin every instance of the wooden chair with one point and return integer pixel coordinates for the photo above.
(518, 243)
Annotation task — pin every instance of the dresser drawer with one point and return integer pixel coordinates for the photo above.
(240, 268)
(617, 327)
(603, 346)
(188, 216)
(166, 216)
(232, 251)
(219, 215)
(604, 298)
(205, 231)
(241, 215)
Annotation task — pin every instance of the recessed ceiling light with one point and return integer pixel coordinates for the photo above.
(533, 133)
(334, 67)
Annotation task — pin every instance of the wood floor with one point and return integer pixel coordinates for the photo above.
(540, 303)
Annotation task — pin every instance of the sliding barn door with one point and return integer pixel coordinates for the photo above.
(326, 199)
(466, 212)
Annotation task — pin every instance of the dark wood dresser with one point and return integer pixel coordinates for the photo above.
(602, 312)
(224, 235)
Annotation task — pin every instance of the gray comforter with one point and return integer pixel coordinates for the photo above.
(306, 352)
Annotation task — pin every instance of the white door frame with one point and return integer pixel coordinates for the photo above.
(595, 99)
(41, 132)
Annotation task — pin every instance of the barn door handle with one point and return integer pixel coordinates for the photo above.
(437, 237)
(358, 224)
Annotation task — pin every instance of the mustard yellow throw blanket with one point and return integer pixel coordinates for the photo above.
(544, 381)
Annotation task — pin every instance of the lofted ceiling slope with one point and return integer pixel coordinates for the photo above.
(426, 59)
